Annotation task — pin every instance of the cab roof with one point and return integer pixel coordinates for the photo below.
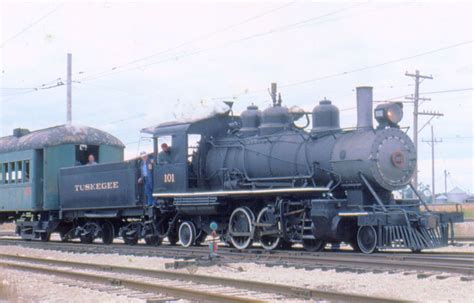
(23, 139)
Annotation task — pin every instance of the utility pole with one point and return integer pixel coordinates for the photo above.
(446, 182)
(416, 99)
(69, 88)
(432, 144)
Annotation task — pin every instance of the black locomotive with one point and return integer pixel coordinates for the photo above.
(262, 178)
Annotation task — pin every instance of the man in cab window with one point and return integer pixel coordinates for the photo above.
(164, 157)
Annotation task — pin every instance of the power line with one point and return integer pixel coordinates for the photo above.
(434, 92)
(448, 91)
(30, 25)
(191, 41)
(381, 64)
(31, 91)
(363, 69)
(228, 43)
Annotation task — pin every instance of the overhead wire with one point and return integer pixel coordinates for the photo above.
(32, 24)
(225, 44)
(193, 40)
(360, 69)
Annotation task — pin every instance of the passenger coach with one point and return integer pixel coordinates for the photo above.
(30, 163)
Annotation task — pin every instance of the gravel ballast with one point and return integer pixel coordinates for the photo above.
(399, 285)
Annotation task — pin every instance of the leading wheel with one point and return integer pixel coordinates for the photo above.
(187, 233)
(367, 239)
(241, 229)
(269, 227)
(313, 245)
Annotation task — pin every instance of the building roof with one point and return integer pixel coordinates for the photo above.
(457, 190)
(57, 135)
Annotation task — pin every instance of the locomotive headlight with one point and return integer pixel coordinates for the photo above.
(389, 114)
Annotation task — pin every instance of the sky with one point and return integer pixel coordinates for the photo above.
(136, 64)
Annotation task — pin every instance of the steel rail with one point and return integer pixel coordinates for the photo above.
(264, 287)
(185, 293)
(461, 263)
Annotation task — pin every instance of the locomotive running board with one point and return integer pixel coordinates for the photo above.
(276, 191)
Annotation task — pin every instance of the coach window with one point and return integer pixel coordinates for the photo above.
(2, 175)
(8, 179)
(5, 173)
(26, 170)
(19, 171)
(13, 172)
(83, 151)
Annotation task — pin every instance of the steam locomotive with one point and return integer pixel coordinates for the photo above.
(258, 177)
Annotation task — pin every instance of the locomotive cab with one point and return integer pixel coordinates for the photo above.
(183, 171)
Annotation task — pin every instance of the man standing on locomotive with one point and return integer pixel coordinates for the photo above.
(146, 177)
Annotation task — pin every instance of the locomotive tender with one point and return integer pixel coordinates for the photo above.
(261, 178)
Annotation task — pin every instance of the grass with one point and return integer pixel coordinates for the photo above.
(468, 209)
(7, 226)
(460, 230)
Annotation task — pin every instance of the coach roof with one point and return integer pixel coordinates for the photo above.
(23, 139)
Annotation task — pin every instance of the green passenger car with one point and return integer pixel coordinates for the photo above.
(30, 164)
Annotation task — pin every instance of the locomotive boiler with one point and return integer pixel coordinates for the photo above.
(270, 147)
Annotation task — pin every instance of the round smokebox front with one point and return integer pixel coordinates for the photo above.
(394, 158)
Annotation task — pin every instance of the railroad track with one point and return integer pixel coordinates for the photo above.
(176, 284)
(464, 238)
(458, 263)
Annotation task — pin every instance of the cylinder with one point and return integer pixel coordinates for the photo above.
(364, 107)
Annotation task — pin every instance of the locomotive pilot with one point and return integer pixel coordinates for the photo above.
(146, 177)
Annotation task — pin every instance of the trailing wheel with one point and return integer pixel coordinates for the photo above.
(187, 233)
(45, 237)
(173, 238)
(200, 238)
(63, 235)
(86, 239)
(108, 233)
(313, 245)
(131, 232)
(367, 239)
(153, 240)
(88, 232)
(241, 229)
(269, 228)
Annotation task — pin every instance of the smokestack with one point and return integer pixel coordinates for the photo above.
(364, 107)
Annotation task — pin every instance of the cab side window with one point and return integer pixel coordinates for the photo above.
(165, 150)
